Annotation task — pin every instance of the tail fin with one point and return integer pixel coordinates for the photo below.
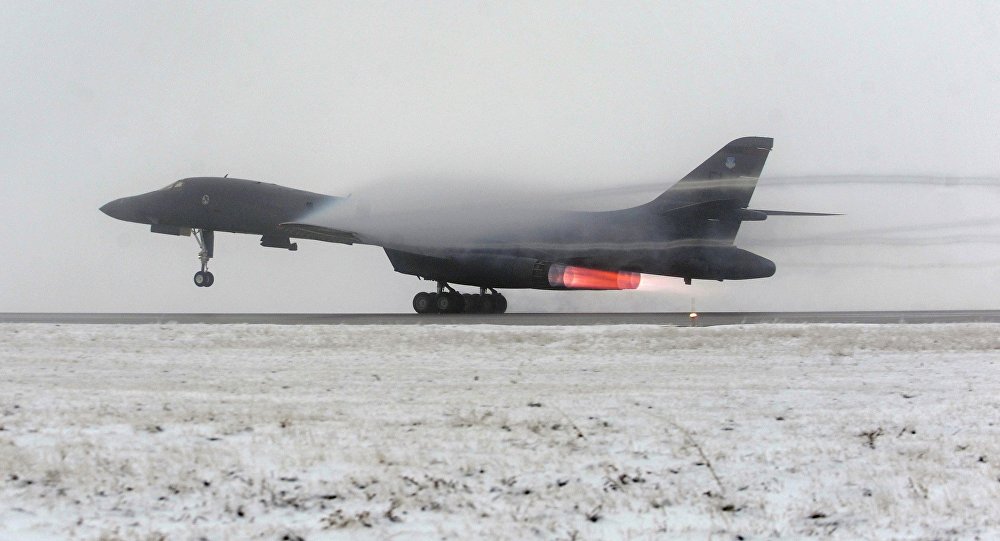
(710, 203)
(727, 179)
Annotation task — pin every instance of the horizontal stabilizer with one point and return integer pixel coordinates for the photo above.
(729, 209)
(319, 232)
(705, 209)
(793, 213)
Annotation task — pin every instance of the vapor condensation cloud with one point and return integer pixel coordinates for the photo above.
(462, 214)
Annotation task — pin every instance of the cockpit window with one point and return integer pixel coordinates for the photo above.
(173, 185)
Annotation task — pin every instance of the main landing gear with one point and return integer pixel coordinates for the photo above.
(449, 301)
(206, 242)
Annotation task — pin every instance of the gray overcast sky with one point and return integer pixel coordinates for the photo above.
(105, 99)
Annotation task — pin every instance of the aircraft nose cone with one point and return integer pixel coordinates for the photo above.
(112, 208)
(118, 209)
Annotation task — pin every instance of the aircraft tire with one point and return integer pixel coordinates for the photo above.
(449, 303)
(200, 279)
(210, 279)
(501, 305)
(486, 304)
(459, 300)
(443, 303)
(423, 303)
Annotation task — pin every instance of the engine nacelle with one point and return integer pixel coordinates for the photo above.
(508, 272)
(513, 272)
(571, 277)
(712, 263)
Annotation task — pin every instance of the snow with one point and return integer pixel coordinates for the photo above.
(457, 432)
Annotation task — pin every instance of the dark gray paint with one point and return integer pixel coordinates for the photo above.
(686, 232)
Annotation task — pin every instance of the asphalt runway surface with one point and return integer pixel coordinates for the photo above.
(646, 318)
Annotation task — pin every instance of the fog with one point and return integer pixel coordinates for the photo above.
(441, 213)
(885, 113)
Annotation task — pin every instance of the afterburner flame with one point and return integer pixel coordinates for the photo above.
(670, 284)
(572, 277)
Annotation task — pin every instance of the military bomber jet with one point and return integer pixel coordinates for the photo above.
(686, 232)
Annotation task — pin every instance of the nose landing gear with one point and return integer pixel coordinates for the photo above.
(204, 279)
(449, 301)
(206, 243)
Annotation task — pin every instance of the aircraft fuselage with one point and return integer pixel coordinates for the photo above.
(687, 232)
(219, 204)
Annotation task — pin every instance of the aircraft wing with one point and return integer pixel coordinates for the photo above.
(319, 232)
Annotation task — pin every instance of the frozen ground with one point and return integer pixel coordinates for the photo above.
(634, 432)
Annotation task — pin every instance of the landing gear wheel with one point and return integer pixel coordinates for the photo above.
(450, 303)
(423, 303)
(491, 303)
(501, 304)
(206, 244)
(459, 301)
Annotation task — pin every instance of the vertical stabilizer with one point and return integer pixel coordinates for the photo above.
(730, 175)
(705, 206)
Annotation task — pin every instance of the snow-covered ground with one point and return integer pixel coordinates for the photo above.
(413, 432)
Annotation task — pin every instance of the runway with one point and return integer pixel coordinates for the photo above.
(544, 319)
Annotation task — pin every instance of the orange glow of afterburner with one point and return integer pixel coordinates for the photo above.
(668, 284)
(572, 277)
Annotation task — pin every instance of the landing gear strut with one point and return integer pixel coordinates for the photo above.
(449, 301)
(206, 242)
